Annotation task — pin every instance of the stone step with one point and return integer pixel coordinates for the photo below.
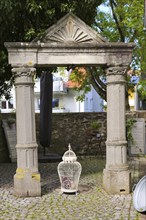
(10, 134)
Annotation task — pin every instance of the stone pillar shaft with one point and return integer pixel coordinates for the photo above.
(116, 176)
(27, 177)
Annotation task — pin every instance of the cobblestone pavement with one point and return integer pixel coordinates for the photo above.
(92, 202)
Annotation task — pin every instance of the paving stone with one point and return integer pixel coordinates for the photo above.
(92, 202)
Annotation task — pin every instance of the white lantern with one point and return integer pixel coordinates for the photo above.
(69, 171)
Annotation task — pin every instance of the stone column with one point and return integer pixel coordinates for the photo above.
(116, 175)
(27, 177)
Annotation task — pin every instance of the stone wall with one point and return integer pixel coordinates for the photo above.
(4, 154)
(75, 128)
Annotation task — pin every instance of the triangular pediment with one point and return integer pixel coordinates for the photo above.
(70, 29)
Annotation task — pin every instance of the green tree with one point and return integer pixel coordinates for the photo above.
(123, 22)
(25, 20)
(120, 21)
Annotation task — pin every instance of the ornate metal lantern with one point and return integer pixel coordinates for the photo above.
(69, 171)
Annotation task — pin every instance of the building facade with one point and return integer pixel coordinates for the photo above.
(64, 98)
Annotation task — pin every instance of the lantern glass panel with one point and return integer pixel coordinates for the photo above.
(69, 171)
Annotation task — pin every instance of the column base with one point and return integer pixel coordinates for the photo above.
(27, 183)
(117, 182)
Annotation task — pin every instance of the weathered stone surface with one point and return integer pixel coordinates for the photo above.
(116, 182)
(27, 178)
(70, 41)
(138, 145)
(73, 128)
(82, 143)
(91, 203)
(85, 48)
(116, 174)
(4, 154)
(10, 134)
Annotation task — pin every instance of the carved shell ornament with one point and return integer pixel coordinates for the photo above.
(70, 29)
(68, 33)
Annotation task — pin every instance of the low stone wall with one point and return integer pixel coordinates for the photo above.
(70, 128)
(4, 154)
(74, 128)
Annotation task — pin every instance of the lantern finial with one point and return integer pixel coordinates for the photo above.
(69, 147)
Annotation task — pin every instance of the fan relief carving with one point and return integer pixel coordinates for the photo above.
(70, 32)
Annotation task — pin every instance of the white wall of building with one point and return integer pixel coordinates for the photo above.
(66, 98)
(93, 102)
(7, 106)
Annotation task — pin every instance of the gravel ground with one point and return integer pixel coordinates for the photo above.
(92, 202)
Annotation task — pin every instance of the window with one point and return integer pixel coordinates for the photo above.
(4, 105)
(38, 103)
(10, 104)
(55, 103)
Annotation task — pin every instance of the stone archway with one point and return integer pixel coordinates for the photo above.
(70, 41)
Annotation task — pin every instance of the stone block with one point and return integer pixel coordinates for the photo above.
(138, 146)
(116, 182)
(26, 183)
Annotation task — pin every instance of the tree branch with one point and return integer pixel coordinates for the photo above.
(113, 4)
(97, 84)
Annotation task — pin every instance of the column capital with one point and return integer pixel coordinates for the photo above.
(24, 76)
(23, 71)
(116, 70)
(116, 74)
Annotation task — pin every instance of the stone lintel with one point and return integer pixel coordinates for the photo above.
(38, 44)
(63, 54)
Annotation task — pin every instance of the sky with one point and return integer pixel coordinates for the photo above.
(104, 8)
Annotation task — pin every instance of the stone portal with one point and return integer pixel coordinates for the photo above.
(68, 42)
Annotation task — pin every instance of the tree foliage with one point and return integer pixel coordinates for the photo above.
(85, 77)
(25, 20)
(126, 25)
(121, 21)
